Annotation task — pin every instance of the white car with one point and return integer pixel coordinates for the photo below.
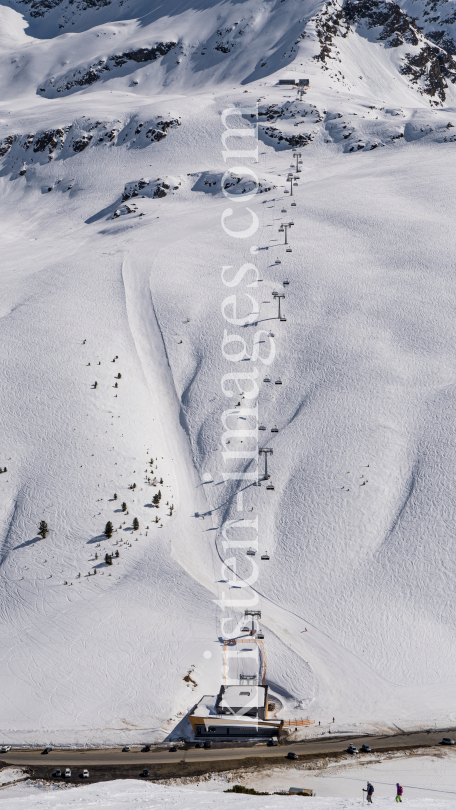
(67, 772)
(85, 774)
(5, 749)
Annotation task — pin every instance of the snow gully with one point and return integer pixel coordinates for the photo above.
(239, 440)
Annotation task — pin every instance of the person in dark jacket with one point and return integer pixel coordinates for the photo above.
(399, 792)
(369, 790)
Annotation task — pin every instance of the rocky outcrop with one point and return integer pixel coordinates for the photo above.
(83, 77)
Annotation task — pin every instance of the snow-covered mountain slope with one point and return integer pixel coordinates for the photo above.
(111, 332)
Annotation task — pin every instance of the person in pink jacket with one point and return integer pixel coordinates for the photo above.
(399, 792)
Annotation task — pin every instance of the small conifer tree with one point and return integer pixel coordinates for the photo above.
(108, 559)
(124, 506)
(95, 384)
(108, 529)
(115, 496)
(135, 524)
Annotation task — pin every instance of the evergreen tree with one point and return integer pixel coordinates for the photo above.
(117, 553)
(119, 376)
(43, 530)
(115, 496)
(95, 384)
(135, 524)
(124, 507)
(108, 559)
(108, 529)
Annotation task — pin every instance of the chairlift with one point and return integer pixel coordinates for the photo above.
(267, 379)
(289, 250)
(265, 556)
(293, 203)
(277, 261)
(283, 211)
(275, 429)
(295, 183)
(260, 635)
(286, 191)
(278, 382)
(281, 229)
(283, 319)
(251, 552)
(286, 283)
(245, 629)
(271, 487)
(261, 427)
(274, 292)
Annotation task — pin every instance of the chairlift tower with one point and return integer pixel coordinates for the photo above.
(297, 155)
(265, 451)
(290, 181)
(253, 614)
(278, 296)
(284, 227)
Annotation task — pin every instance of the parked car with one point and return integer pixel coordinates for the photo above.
(58, 772)
(197, 745)
(273, 741)
(146, 748)
(5, 749)
(447, 741)
(207, 744)
(366, 749)
(352, 749)
(172, 749)
(67, 772)
(292, 755)
(47, 750)
(85, 774)
(126, 748)
(145, 772)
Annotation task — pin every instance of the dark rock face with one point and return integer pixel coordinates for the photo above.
(434, 66)
(65, 142)
(39, 8)
(397, 27)
(83, 78)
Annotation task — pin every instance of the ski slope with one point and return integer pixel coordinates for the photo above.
(104, 274)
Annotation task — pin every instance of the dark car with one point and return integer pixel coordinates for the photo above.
(207, 744)
(273, 741)
(352, 749)
(58, 772)
(197, 745)
(291, 755)
(146, 748)
(172, 749)
(126, 748)
(47, 750)
(366, 749)
(145, 772)
(447, 741)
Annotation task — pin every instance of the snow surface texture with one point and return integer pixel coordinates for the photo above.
(124, 794)
(112, 249)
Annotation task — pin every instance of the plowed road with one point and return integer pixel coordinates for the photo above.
(317, 747)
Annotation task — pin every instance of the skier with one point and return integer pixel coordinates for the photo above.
(369, 790)
(399, 792)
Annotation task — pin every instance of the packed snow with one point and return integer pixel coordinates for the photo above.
(131, 793)
(112, 365)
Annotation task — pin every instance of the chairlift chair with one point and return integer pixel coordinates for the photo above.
(295, 183)
(261, 427)
(275, 429)
(286, 191)
(271, 487)
(293, 203)
(286, 283)
(265, 556)
(289, 250)
(260, 635)
(278, 382)
(283, 211)
(277, 261)
(283, 319)
(251, 552)
(245, 629)
(267, 379)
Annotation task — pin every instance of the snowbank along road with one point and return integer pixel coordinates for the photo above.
(124, 400)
